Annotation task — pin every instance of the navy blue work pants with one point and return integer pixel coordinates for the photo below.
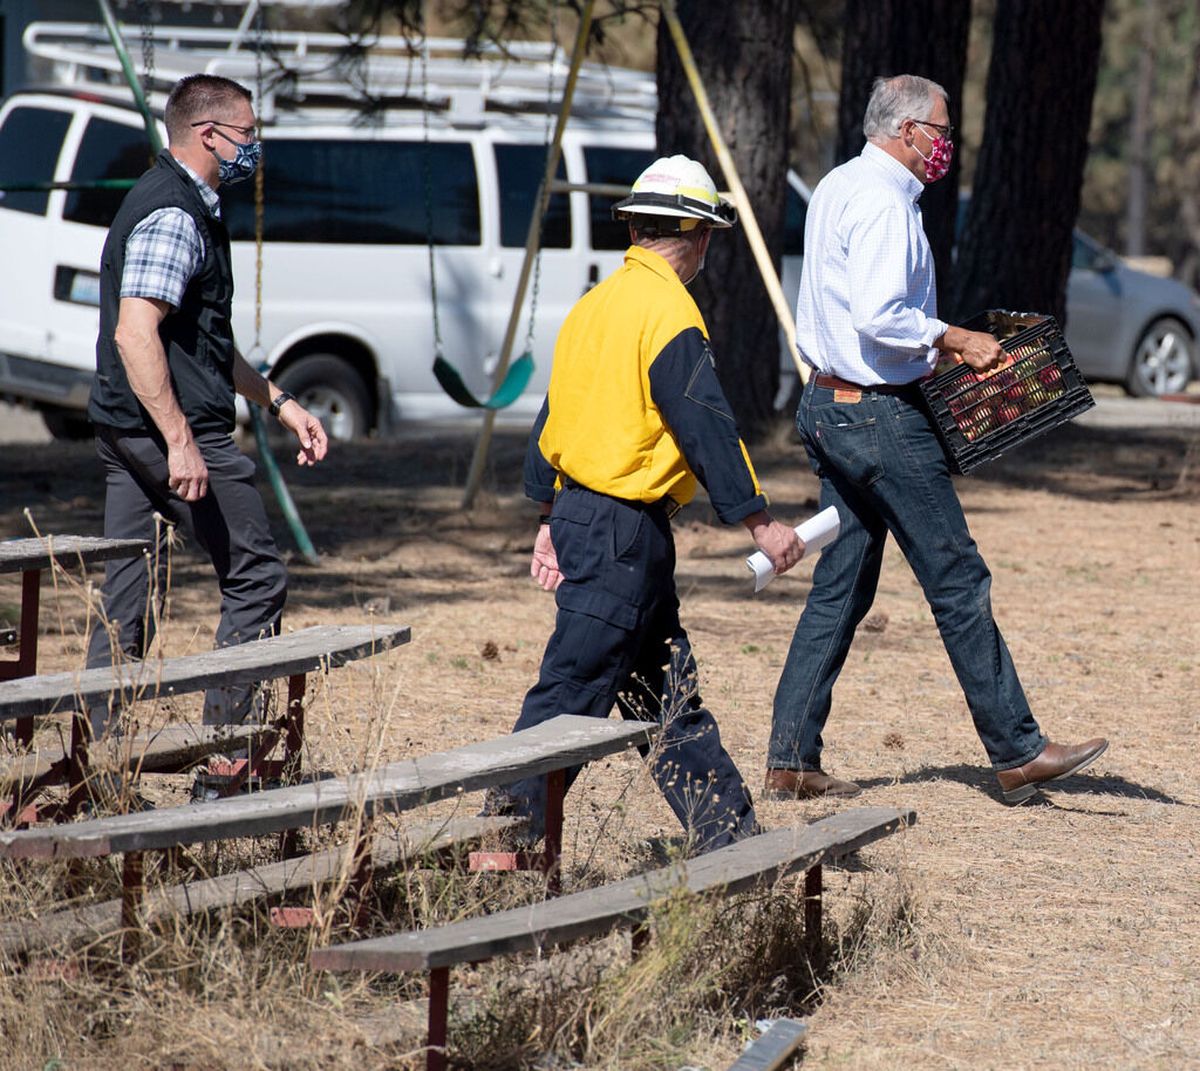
(617, 639)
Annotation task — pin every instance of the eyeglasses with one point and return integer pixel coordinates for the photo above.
(245, 131)
(945, 130)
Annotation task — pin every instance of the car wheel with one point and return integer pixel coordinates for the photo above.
(67, 424)
(1162, 360)
(332, 391)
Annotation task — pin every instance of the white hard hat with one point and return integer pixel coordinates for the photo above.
(675, 186)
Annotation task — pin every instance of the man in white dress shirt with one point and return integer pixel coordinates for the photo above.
(867, 324)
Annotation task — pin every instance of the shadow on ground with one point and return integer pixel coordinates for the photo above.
(984, 780)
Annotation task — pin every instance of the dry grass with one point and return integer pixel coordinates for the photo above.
(1059, 934)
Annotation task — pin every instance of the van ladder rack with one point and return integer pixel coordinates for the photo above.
(313, 69)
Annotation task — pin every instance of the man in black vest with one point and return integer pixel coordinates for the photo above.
(167, 370)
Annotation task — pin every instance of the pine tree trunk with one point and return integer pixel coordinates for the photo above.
(1015, 250)
(922, 37)
(1140, 132)
(744, 55)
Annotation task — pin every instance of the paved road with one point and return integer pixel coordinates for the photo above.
(1118, 411)
(1113, 410)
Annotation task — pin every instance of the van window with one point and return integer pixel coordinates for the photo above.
(107, 150)
(362, 192)
(30, 140)
(520, 169)
(620, 167)
(793, 224)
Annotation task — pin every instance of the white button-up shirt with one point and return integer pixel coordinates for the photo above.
(867, 309)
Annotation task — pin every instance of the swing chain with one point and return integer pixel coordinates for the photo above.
(145, 18)
(427, 175)
(544, 200)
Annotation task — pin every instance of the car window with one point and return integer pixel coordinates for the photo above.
(361, 192)
(107, 150)
(793, 224)
(30, 140)
(519, 169)
(619, 167)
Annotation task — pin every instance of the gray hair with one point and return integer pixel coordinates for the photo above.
(904, 96)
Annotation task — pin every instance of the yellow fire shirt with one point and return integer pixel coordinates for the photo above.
(635, 409)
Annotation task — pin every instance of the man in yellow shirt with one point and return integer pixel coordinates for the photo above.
(633, 419)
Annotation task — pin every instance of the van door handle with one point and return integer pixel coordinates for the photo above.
(593, 276)
(496, 267)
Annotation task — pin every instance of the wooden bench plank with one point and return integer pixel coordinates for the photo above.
(759, 859)
(19, 555)
(270, 658)
(774, 1048)
(78, 925)
(168, 749)
(563, 741)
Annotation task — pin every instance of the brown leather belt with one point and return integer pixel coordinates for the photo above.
(822, 379)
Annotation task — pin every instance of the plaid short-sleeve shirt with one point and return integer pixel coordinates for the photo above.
(165, 250)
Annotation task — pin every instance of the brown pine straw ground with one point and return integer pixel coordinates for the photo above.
(1063, 933)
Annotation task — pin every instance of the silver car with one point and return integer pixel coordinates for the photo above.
(1129, 327)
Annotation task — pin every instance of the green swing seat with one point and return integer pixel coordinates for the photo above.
(516, 379)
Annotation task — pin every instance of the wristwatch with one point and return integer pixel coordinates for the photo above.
(280, 400)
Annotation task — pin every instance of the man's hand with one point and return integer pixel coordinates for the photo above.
(977, 348)
(981, 351)
(314, 443)
(187, 475)
(544, 567)
(777, 541)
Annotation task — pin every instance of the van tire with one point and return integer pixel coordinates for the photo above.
(332, 391)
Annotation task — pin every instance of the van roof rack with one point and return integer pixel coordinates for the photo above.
(303, 69)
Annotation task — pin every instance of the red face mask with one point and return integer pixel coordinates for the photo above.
(941, 152)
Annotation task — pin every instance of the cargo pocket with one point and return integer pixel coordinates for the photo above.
(569, 522)
(627, 533)
(595, 638)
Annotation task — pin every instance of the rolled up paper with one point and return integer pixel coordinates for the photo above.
(817, 532)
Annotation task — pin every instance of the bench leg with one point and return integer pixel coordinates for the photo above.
(639, 939)
(439, 1010)
(812, 908)
(293, 743)
(364, 875)
(77, 763)
(132, 890)
(25, 664)
(549, 859)
(556, 790)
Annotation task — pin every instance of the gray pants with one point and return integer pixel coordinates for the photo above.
(229, 523)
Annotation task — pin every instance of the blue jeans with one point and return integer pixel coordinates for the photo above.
(882, 465)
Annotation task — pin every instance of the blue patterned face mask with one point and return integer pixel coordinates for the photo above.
(243, 164)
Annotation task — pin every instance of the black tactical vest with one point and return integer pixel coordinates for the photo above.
(197, 337)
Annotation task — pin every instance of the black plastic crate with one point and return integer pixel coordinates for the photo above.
(982, 415)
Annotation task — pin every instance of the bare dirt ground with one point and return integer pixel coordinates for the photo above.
(1058, 934)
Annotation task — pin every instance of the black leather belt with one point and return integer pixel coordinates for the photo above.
(823, 379)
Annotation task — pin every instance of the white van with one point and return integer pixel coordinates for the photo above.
(351, 202)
